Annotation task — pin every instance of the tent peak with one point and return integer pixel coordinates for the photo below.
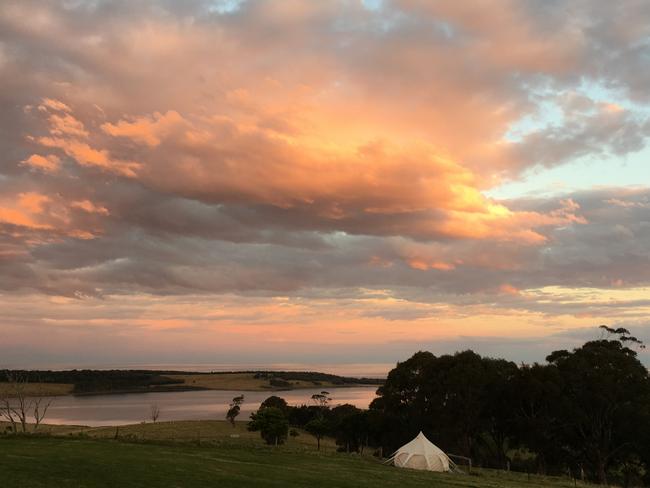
(421, 453)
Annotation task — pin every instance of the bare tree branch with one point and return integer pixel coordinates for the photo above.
(17, 403)
(155, 413)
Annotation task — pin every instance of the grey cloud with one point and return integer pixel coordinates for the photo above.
(604, 133)
(455, 78)
(134, 258)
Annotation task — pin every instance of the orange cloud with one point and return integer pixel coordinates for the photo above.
(33, 202)
(85, 155)
(424, 265)
(508, 289)
(378, 187)
(398, 189)
(145, 130)
(70, 135)
(90, 207)
(25, 211)
(43, 218)
(314, 149)
(50, 163)
(51, 104)
(66, 125)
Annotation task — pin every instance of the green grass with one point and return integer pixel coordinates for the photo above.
(181, 430)
(63, 462)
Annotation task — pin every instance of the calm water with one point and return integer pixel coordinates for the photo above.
(187, 405)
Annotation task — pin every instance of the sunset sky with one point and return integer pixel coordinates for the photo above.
(323, 182)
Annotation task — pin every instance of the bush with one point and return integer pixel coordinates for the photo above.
(275, 402)
(278, 383)
(271, 423)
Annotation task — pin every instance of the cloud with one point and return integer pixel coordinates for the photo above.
(145, 130)
(35, 219)
(589, 129)
(318, 165)
(56, 105)
(25, 212)
(90, 207)
(67, 133)
(49, 163)
(376, 189)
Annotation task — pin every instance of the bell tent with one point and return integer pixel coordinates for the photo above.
(421, 453)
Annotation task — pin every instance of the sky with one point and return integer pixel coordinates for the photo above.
(320, 182)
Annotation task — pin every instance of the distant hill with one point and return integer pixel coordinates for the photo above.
(88, 382)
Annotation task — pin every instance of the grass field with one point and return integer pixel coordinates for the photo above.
(45, 389)
(206, 431)
(60, 462)
(209, 431)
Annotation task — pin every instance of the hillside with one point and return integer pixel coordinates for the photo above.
(43, 462)
(90, 382)
(266, 380)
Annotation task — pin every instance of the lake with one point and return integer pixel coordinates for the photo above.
(121, 409)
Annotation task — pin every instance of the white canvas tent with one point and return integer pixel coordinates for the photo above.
(421, 453)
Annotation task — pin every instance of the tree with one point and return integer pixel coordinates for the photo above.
(321, 399)
(7, 410)
(302, 414)
(22, 400)
(317, 427)
(271, 423)
(154, 413)
(350, 427)
(275, 402)
(451, 398)
(536, 406)
(16, 402)
(607, 392)
(235, 408)
(40, 406)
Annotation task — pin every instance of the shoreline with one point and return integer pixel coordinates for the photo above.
(113, 382)
(200, 388)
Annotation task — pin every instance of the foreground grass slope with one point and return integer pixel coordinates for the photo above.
(193, 431)
(37, 462)
(211, 431)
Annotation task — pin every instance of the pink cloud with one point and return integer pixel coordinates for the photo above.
(145, 130)
(49, 163)
(223, 160)
(90, 207)
(332, 158)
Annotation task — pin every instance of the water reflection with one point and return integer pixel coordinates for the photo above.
(187, 405)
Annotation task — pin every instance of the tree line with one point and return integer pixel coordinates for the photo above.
(89, 381)
(314, 377)
(584, 413)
